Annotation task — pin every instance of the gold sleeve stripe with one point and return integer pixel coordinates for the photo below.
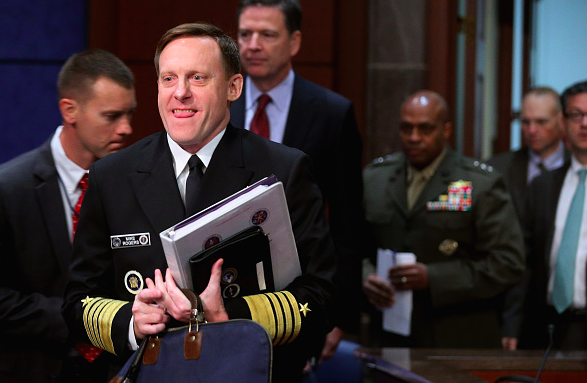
(98, 316)
(278, 313)
(290, 316)
(258, 307)
(297, 317)
(89, 317)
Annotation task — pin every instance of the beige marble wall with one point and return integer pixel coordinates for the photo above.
(396, 67)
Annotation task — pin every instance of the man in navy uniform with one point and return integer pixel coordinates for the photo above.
(145, 189)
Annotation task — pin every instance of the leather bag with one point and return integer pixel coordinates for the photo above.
(237, 350)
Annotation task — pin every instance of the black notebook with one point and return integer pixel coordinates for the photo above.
(247, 264)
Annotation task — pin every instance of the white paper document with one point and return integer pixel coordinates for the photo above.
(262, 204)
(397, 318)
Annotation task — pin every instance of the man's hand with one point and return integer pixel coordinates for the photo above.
(379, 293)
(173, 300)
(333, 338)
(510, 344)
(148, 317)
(409, 277)
(211, 296)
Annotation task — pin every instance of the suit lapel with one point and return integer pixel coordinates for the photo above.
(552, 205)
(155, 185)
(302, 112)
(49, 198)
(519, 174)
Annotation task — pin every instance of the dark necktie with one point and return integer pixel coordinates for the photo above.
(193, 183)
(260, 122)
(83, 185)
(89, 352)
(542, 168)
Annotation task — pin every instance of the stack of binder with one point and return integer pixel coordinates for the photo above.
(265, 260)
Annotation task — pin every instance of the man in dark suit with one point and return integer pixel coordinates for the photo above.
(556, 257)
(542, 129)
(456, 216)
(311, 118)
(38, 195)
(141, 192)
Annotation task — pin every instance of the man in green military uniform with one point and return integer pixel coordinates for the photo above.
(455, 215)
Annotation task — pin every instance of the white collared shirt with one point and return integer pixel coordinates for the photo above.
(277, 110)
(181, 158)
(69, 175)
(564, 203)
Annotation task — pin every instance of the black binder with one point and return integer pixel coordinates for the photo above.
(247, 264)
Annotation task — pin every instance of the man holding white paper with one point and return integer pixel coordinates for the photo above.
(117, 294)
(455, 215)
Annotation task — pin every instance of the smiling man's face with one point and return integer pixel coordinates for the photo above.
(194, 91)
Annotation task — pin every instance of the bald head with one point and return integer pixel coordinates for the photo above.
(424, 128)
(429, 100)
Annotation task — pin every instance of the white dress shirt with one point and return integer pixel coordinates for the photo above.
(181, 158)
(564, 202)
(69, 176)
(277, 110)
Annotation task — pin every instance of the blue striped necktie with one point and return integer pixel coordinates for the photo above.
(564, 277)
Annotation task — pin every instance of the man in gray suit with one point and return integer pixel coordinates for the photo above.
(542, 129)
(542, 124)
(557, 260)
(456, 216)
(38, 196)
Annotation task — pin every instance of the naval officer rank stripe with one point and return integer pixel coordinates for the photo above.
(278, 313)
(98, 317)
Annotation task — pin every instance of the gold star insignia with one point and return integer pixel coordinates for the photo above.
(86, 301)
(304, 309)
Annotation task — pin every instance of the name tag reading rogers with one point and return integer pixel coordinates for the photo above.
(130, 240)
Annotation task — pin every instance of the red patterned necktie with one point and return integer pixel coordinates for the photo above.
(83, 185)
(89, 352)
(260, 122)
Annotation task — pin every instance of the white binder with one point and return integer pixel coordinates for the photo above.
(263, 204)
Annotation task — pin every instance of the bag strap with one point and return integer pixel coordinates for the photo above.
(197, 316)
(133, 370)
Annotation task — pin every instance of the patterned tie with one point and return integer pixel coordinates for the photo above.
(89, 352)
(192, 183)
(83, 185)
(260, 122)
(564, 277)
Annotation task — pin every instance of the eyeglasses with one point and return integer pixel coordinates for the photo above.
(576, 116)
(406, 129)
